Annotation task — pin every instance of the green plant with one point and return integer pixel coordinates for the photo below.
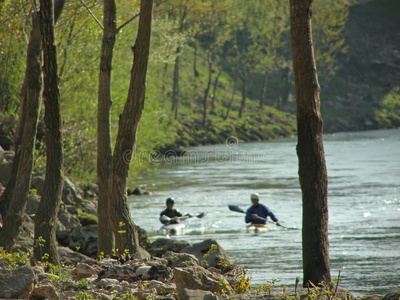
(243, 285)
(85, 296)
(212, 249)
(15, 259)
(225, 264)
(58, 275)
(126, 296)
(84, 284)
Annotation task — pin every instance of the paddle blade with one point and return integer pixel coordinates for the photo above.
(201, 215)
(236, 208)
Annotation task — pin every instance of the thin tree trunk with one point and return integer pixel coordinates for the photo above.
(264, 89)
(105, 241)
(215, 89)
(310, 150)
(24, 142)
(230, 104)
(175, 89)
(125, 231)
(46, 216)
(207, 90)
(244, 93)
(196, 73)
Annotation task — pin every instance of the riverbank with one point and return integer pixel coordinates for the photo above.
(80, 234)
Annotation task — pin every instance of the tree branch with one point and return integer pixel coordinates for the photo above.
(91, 13)
(127, 22)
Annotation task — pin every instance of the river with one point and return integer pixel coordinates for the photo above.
(364, 206)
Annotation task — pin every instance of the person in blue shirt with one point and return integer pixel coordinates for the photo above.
(259, 210)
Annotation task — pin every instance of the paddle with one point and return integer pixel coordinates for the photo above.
(183, 218)
(238, 209)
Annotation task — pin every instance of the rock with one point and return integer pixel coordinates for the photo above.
(16, 283)
(160, 273)
(70, 194)
(88, 206)
(124, 272)
(108, 262)
(196, 295)
(161, 246)
(234, 275)
(161, 287)
(32, 204)
(83, 270)
(45, 291)
(200, 249)
(138, 191)
(69, 221)
(143, 272)
(178, 260)
(70, 257)
(198, 278)
(107, 283)
(392, 296)
(83, 239)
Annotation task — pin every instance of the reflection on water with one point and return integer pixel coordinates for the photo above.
(364, 206)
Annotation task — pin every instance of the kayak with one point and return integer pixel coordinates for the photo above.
(173, 229)
(258, 228)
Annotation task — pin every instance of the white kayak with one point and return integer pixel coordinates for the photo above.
(258, 228)
(173, 229)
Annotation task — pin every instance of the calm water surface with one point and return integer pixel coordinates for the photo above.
(364, 206)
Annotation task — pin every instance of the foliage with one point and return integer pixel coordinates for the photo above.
(15, 259)
(252, 42)
(206, 255)
(388, 115)
(243, 285)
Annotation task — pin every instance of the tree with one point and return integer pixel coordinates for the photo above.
(16, 194)
(125, 231)
(310, 150)
(46, 216)
(105, 236)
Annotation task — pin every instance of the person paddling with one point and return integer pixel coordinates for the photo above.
(170, 212)
(259, 210)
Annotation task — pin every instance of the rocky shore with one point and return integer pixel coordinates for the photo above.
(172, 269)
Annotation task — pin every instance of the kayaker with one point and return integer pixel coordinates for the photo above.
(258, 210)
(170, 212)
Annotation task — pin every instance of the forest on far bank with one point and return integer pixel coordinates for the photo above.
(216, 70)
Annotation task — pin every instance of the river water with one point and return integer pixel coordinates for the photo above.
(364, 206)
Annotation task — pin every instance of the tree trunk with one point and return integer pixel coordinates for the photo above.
(17, 191)
(105, 241)
(230, 104)
(215, 89)
(310, 149)
(125, 231)
(206, 91)
(46, 216)
(244, 94)
(264, 89)
(175, 88)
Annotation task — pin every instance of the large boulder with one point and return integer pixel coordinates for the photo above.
(120, 272)
(187, 294)
(200, 249)
(198, 278)
(161, 246)
(69, 257)
(17, 283)
(45, 291)
(179, 260)
(82, 239)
